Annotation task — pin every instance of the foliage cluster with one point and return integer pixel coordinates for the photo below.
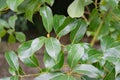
(83, 61)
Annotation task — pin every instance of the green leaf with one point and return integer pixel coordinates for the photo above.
(47, 76)
(29, 7)
(53, 47)
(24, 50)
(7, 78)
(48, 61)
(94, 56)
(4, 24)
(87, 2)
(13, 4)
(2, 33)
(31, 61)
(110, 75)
(68, 25)
(2, 4)
(50, 2)
(63, 77)
(14, 78)
(78, 33)
(12, 59)
(11, 38)
(58, 20)
(12, 20)
(105, 4)
(74, 54)
(106, 42)
(76, 8)
(47, 18)
(37, 43)
(20, 36)
(59, 62)
(88, 70)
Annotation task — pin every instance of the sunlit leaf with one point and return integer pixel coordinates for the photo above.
(74, 54)
(68, 25)
(13, 4)
(47, 76)
(53, 47)
(47, 18)
(20, 36)
(88, 70)
(58, 20)
(78, 32)
(76, 8)
(12, 21)
(12, 59)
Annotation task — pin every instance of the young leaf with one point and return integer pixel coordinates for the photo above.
(76, 8)
(12, 20)
(78, 32)
(37, 44)
(30, 61)
(47, 18)
(2, 32)
(88, 70)
(20, 36)
(13, 4)
(12, 59)
(53, 47)
(58, 20)
(68, 25)
(74, 54)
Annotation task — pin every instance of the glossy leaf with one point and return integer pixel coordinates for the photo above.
(68, 25)
(106, 42)
(24, 50)
(7, 78)
(53, 47)
(94, 56)
(74, 54)
(12, 60)
(29, 7)
(59, 62)
(78, 33)
(47, 18)
(13, 4)
(31, 61)
(50, 2)
(76, 8)
(88, 70)
(20, 36)
(63, 77)
(37, 44)
(48, 61)
(58, 20)
(47, 76)
(12, 20)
